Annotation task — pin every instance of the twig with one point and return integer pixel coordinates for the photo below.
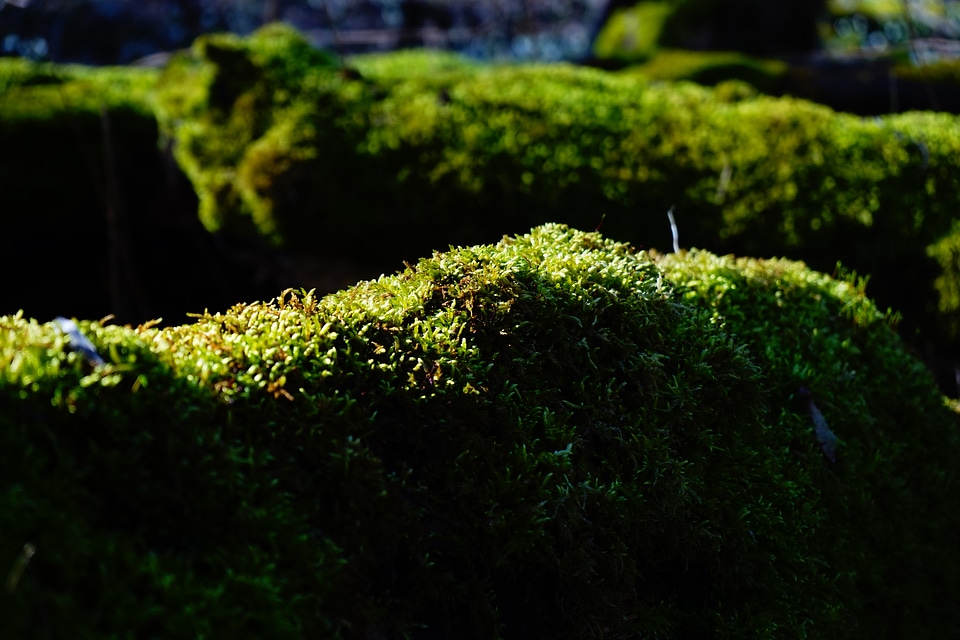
(674, 231)
(19, 566)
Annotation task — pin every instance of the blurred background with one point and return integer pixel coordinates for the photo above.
(607, 32)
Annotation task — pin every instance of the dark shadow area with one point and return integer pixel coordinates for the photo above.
(97, 232)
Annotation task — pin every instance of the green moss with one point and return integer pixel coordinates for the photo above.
(946, 252)
(279, 142)
(876, 9)
(553, 436)
(941, 72)
(38, 91)
(443, 152)
(711, 68)
(248, 91)
(632, 33)
(849, 344)
(418, 63)
(15, 72)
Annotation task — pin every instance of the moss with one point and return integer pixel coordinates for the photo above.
(710, 68)
(509, 147)
(635, 33)
(75, 142)
(420, 63)
(632, 33)
(946, 252)
(16, 72)
(875, 9)
(850, 343)
(248, 91)
(279, 142)
(41, 90)
(941, 72)
(553, 436)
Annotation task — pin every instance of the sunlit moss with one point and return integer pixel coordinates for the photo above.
(41, 91)
(633, 33)
(713, 67)
(946, 252)
(434, 151)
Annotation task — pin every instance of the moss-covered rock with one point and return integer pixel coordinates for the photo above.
(97, 216)
(407, 152)
(750, 300)
(678, 40)
(251, 93)
(550, 437)
(433, 151)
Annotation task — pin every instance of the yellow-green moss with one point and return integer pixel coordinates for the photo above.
(553, 436)
(941, 72)
(946, 252)
(38, 91)
(876, 9)
(632, 33)
(427, 150)
(248, 91)
(404, 64)
(714, 67)
(445, 152)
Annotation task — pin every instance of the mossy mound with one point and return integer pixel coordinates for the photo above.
(251, 93)
(550, 437)
(281, 143)
(99, 218)
(433, 151)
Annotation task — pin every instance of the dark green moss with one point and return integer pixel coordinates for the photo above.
(839, 346)
(549, 437)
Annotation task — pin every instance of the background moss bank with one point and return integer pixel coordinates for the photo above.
(298, 161)
(434, 151)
